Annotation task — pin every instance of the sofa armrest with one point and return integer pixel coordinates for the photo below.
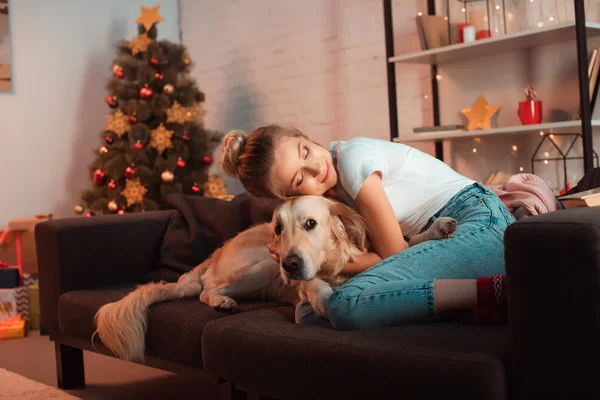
(553, 276)
(83, 253)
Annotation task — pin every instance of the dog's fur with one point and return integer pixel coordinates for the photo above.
(242, 269)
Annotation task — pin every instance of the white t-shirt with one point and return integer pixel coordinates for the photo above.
(417, 184)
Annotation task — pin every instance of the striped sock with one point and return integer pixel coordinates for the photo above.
(492, 291)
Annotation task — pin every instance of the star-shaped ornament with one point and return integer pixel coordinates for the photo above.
(134, 192)
(118, 123)
(480, 115)
(149, 17)
(139, 44)
(160, 139)
(179, 114)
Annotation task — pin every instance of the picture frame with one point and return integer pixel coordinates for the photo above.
(6, 80)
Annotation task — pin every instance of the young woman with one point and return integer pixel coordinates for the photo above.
(399, 191)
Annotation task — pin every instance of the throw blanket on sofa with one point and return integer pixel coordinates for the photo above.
(526, 195)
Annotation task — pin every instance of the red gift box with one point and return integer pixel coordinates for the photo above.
(17, 244)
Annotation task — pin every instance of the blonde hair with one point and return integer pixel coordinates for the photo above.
(249, 157)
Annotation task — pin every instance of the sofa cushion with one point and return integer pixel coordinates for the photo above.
(174, 327)
(203, 224)
(264, 350)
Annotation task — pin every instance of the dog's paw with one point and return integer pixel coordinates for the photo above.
(319, 300)
(223, 303)
(444, 227)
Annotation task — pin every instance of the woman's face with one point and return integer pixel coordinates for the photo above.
(302, 167)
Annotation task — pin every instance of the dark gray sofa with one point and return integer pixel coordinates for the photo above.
(550, 350)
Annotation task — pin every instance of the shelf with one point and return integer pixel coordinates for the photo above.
(501, 44)
(551, 127)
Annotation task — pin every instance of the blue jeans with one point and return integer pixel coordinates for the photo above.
(399, 290)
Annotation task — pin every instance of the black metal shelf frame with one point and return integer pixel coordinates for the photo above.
(582, 67)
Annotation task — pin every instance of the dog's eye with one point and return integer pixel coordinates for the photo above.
(278, 229)
(310, 224)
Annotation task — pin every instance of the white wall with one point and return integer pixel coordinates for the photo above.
(62, 55)
(320, 65)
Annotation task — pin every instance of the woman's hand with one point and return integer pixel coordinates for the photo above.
(374, 205)
(274, 256)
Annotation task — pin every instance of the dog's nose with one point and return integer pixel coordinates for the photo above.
(292, 263)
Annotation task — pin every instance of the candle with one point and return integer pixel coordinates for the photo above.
(459, 36)
(469, 34)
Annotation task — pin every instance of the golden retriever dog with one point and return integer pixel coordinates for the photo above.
(314, 238)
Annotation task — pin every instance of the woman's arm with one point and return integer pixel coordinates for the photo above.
(373, 204)
(363, 262)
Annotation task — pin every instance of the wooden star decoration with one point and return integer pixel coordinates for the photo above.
(118, 123)
(161, 139)
(149, 17)
(134, 192)
(480, 115)
(179, 114)
(139, 43)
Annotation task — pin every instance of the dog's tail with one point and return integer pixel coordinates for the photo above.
(122, 325)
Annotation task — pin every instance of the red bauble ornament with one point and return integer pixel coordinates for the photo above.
(99, 177)
(129, 172)
(146, 93)
(207, 159)
(185, 137)
(158, 75)
(111, 101)
(154, 61)
(118, 71)
(112, 185)
(181, 163)
(139, 145)
(121, 212)
(109, 140)
(133, 119)
(195, 188)
(89, 214)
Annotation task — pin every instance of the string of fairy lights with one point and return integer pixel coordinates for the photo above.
(510, 16)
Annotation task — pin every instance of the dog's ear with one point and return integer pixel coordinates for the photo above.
(352, 225)
(273, 245)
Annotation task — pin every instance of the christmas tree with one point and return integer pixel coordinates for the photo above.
(154, 142)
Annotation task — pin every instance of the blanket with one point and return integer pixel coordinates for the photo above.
(526, 195)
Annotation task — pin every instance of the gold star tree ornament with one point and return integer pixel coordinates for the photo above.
(118, 123)
(139, 44)
(134, 192)
(160, 139)
(149, 17)
(179, 114)
(480, 115)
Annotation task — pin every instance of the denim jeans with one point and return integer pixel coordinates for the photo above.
(399, 290)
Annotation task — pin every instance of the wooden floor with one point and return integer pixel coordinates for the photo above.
(106, 377)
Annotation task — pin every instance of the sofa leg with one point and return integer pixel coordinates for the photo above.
(69, 367)
(227, 391)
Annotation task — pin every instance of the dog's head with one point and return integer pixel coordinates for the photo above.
(313, 235)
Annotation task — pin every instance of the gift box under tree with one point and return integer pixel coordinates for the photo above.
(13, 328)
(17, 245)
(14, 302)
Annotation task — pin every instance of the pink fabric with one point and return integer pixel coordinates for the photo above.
(528, 191)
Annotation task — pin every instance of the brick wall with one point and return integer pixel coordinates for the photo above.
(320, 65)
